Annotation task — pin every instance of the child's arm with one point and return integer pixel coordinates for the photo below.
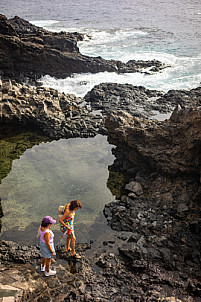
(47, 241)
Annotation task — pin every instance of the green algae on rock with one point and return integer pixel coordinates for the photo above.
(116, 182)
(14, 141)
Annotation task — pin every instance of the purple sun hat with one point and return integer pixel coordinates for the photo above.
(49, 219)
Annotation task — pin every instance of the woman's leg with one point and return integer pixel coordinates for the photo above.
(68, 240)
(72, 245)
(73, 253)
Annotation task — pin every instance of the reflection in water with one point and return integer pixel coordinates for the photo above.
(49, 175)
(72, 266)
(14, 141)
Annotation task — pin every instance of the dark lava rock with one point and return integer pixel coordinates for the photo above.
(32, 51)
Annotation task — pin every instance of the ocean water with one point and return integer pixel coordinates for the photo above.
(168, 31)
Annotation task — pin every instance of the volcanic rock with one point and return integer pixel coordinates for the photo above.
(32, 51)
(140, 101)
(57, 115)
(172, 146)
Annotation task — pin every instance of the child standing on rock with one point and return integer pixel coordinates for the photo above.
(67, 226)
(47, 245)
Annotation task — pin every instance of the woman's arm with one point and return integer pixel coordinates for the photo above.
(66, 214)
(47, 241)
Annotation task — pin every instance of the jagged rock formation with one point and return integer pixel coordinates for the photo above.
(56, 114)
(138, 100)
(172, 146)
(32, 51)
(109, 97)
(160, 204)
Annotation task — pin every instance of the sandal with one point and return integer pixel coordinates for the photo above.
(76, 256)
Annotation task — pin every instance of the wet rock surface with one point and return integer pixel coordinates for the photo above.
(109, 97)
(32, 51)
(104, 275)
(140, 101)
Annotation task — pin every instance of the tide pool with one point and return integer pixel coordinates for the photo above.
(51, 174)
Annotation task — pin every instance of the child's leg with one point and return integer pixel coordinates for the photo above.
(68, 240)
(48, 262)
(43, 261)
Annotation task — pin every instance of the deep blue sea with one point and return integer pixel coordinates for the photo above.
(169, 31)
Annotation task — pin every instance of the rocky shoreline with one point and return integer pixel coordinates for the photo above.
(58, 115)
(31, 51)
(159, 206)
(159, 209)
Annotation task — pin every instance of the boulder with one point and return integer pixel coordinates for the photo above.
(134, 187)
(171, 146)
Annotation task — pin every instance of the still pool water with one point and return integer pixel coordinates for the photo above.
(50, 174)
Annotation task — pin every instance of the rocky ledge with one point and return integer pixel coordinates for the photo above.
(28, 50)
(58, 115)
(61, 115)
(103, 276)
(140, 101)
(171, 146)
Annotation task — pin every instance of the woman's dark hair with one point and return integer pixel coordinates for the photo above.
(44, 224)
(75, 204)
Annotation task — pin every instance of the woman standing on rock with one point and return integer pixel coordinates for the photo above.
(46, 245)
(67, 226)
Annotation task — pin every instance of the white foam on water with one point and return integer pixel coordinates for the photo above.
(160, 116)
(124, 45)
(113, 44)
(181, 75)
(48, 24)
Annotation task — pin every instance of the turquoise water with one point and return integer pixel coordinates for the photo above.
(49, 175)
